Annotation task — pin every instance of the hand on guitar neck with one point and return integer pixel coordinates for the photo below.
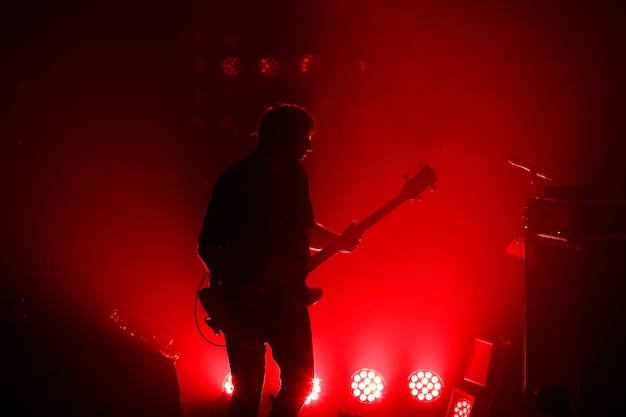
(350, 238)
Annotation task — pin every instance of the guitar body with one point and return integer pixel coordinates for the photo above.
(220, 308)
(253, 306)
(282, 285)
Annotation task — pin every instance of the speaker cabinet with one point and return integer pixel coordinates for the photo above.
(574, 298)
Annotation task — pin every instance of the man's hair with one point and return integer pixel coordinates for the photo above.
(281, 124)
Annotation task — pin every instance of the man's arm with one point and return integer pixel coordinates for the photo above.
(320, 236)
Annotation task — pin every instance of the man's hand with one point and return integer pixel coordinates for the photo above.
(350, 238)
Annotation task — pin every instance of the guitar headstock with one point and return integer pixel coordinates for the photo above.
(419, 182)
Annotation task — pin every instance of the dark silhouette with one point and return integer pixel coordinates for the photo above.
(255, 241)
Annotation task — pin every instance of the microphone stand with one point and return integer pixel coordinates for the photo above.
(519, 163)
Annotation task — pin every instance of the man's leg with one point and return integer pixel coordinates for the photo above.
(247, 366)
(292, 349)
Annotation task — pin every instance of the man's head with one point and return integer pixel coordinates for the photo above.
(285, 129)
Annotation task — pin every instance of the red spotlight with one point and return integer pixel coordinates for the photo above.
(270, 67)
(306, 61)
(227, 384)
(315, 393)
(425, 385)
(367, 385)
(461, 404)
(231, 66)
(228, 388)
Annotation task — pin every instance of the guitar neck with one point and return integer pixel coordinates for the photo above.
(335, 246)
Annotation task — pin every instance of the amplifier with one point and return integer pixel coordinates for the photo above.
(575, 220)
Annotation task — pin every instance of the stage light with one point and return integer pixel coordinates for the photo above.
(315, 393)
(231, 66)
(367, 385)
(228, 388)
(477, 368)
(227, 384)
(306, 61)
(461, 404)
(270, 66)
(425, 385)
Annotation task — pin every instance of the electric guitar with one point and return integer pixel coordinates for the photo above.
(266, 297)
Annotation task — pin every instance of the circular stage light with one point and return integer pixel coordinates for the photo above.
(315, 393)
(425, 385)
(367, 385)
(227, 384)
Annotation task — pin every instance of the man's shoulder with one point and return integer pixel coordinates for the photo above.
(246, 164)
